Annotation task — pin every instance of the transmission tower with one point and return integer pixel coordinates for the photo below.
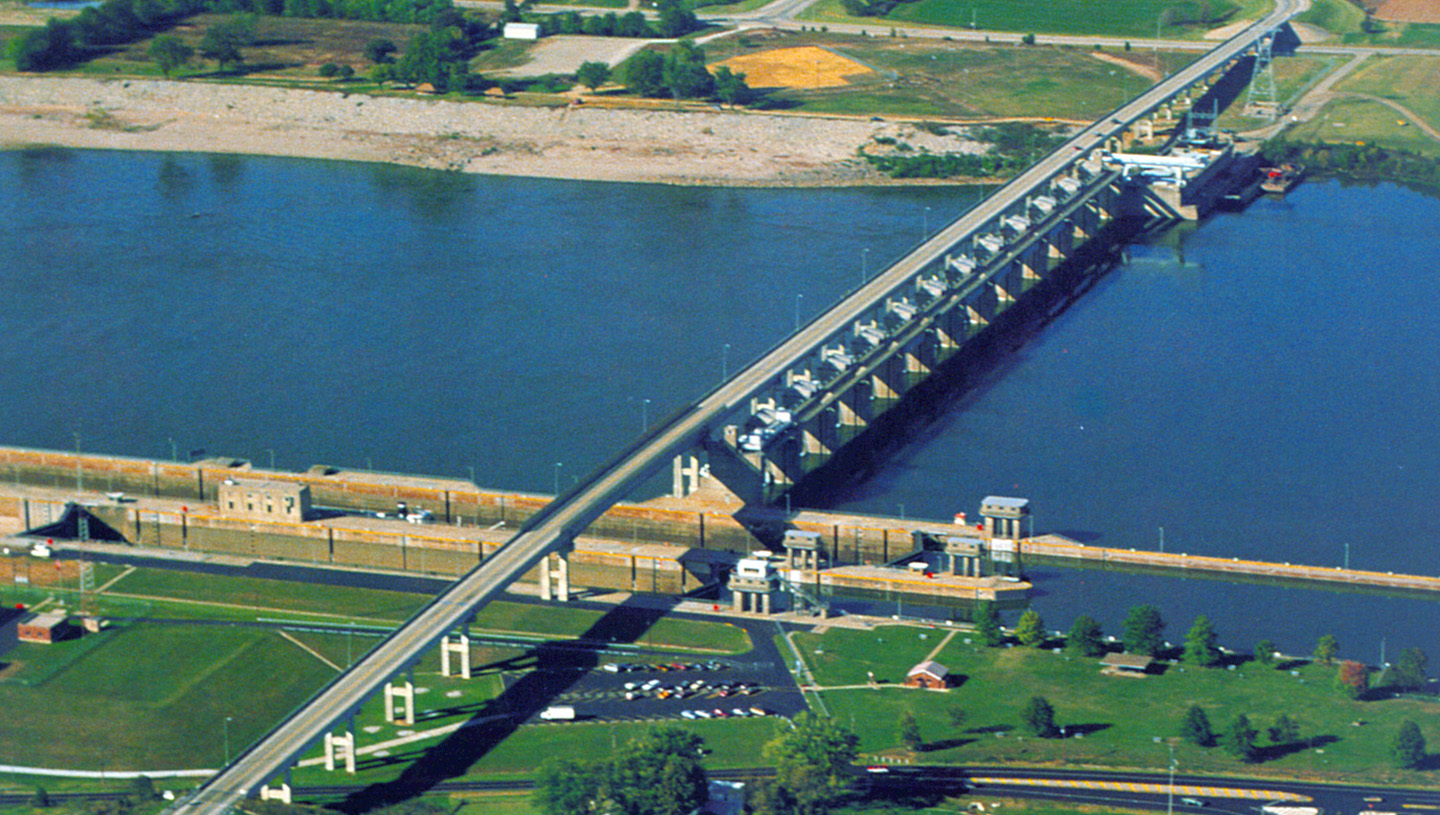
(1262, 99)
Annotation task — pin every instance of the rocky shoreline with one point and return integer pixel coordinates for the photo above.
(709, 147)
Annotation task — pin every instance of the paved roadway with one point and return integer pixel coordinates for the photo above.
(570, 513)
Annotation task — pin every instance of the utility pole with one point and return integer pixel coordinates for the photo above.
(1170, 802)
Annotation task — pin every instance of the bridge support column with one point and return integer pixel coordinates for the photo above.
(404, 692)
(340, 748)
(555, 581)
(280, 792)
(685, 476)
(460, 647)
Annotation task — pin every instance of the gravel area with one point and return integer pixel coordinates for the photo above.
(703, 147)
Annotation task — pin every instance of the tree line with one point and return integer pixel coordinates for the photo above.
(60, 43)
(1014, 146)
(674, 20)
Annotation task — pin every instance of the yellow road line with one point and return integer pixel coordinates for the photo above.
(1156, 789)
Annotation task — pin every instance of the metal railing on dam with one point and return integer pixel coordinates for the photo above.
(570, 513)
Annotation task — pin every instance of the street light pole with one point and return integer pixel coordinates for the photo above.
(645, 416)
(864, 264)
(798, 298)
(226, 725)
(1347, 556)
(725, 362)
(79, 478)
(927, 224)
(271, 451)
(1170, 802)
(174, 450)
(556, 490)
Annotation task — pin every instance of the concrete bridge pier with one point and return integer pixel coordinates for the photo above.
(459, 647)
(404, 692)
(341, 749)
(280, 792)
(555, 581)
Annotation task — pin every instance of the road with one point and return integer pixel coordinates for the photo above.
(570, 513)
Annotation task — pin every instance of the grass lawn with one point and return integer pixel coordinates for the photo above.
(156, 697)
(925, 78)
(285, 595)
(559, 621)
(1407, 80)
(1135, 18)
(1119, 717)
(1361, 120)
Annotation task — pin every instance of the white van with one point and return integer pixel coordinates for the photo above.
(558, 713)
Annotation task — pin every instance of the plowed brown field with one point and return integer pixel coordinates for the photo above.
(1409, 11)
(804, 67)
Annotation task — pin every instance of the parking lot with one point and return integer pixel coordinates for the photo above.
(647, 687)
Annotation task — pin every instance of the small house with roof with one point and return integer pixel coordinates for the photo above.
(928, 674)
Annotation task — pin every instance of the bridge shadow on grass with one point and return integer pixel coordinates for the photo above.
(554, 669)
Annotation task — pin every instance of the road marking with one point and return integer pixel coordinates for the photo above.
(1154, 789)
(309, 650)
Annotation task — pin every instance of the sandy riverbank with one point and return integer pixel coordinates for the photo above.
(703, 147)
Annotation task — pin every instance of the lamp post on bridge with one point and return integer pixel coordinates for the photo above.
(271, 451)
(226, 726)
(644, 415)
(556, 490)
(864, 264)
(798, 298)
(926, 234)
(174, 449)
(725, 362)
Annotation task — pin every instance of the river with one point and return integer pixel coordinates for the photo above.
(1260, 387)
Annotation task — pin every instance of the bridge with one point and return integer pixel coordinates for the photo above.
(1007, 240)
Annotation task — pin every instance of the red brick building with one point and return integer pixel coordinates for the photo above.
(928, 674)
(44, 628)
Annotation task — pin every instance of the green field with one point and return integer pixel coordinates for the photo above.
(1120, 717)
(256, 593)
(153, 696)
(1406, 80)
(1134, 18)
(915, 78)
(1293, 76)
(1347, 21)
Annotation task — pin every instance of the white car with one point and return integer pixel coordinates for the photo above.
(689, 714)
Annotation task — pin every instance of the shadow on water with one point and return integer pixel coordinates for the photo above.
(552, 669)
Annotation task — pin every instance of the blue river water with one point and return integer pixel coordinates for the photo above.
(1262, 386)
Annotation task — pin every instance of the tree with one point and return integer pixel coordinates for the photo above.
(1408, 749)
(380, 50)
(1143, 627)
(347, 73)
(659, 774)
(987, 624)
(1200, 648)
(1326, 648)
(1195, 727)
(676, 20)
(380, 74)
(1030, 629)
(563, 787)
(329, 70)
(731, 88)
(1039, 717)
(1084, 638)
(645, 73)
(1409, 669)
(1353, 678)
(907, 730)
(1284, 731)
(592, 74)
(222, 42)
(41, 799)
(1265, 652)
(1240, 740)
(684, 72)
(812, 762)
(168, 53)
